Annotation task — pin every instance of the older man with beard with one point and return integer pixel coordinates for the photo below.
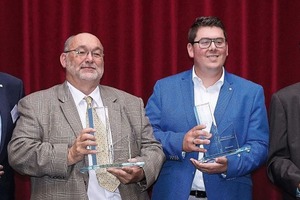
(51, 144)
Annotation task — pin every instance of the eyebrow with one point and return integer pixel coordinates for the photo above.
(85, 47)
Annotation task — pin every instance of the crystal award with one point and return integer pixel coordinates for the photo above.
(110, 153)
(221, 144)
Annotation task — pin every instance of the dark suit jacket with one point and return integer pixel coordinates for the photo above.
(284, 152)
(240, 106)
(11, 91)
(48, 125)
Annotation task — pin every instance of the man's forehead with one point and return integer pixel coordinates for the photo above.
(207, 30)
(86, 40)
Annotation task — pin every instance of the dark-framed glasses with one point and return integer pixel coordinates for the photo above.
(205, 43)
(83, 53)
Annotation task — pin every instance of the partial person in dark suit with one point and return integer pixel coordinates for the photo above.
(11, 91)
(238, 106)
(284, 151)
(50, 143)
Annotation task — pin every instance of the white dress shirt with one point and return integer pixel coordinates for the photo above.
(204, 95)
(95, 191)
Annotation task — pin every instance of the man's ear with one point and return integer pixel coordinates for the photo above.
(190, 50)
(63, 60)
(227, 50)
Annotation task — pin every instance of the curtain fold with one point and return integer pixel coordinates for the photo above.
(146, 40)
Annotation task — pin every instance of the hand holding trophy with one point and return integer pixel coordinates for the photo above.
(223, 144)
(98, 119)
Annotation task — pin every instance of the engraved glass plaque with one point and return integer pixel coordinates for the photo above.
(121, 147)
(221, 144)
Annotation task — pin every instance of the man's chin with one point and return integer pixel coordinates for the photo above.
(91, 77)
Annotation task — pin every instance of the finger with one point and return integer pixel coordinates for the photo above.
(113, 170)
(221, 160)
(193, 141)
(194, 132)
(197, 148)
(193, 160)
(197, 141)
(200, 127)
(197, 163)
(88, 130)
(203, 134)
(82, 138)
(128, 171)
(118, 172)
(133, 160)
(89, 143)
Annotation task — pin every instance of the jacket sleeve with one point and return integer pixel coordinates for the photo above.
(31, 150)
(254, 132)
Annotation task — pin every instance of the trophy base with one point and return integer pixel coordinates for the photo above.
(127, 164)
(211, 158)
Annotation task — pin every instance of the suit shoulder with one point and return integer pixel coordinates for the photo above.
(291, 90)
(120, 94)
(10, 78)
(176, 77)
(45, 93)
(244, 83)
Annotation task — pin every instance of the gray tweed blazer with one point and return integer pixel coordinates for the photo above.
(48, 125)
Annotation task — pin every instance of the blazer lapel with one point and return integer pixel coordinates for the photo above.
(119, 125)
(114, 112)
(224, 99)
(68, 107)
(187, 90)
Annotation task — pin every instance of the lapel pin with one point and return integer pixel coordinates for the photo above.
(1, 85)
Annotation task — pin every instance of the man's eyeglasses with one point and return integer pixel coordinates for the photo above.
(205, 43)
(96, 54)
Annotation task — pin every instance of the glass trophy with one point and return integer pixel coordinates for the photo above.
(223, 144)
(117, 151)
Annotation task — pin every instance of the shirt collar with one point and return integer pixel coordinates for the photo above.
(78, 96)
(217, 84)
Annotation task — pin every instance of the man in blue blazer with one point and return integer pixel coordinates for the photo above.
(238, 106)
(11, 91)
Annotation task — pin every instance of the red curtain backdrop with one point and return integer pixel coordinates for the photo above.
(145, 40)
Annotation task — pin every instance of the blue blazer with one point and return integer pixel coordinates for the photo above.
(11, 91)
(240, 105)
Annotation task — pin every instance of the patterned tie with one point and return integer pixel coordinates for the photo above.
(105, 179)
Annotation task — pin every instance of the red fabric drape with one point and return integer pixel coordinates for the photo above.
(146, 40)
